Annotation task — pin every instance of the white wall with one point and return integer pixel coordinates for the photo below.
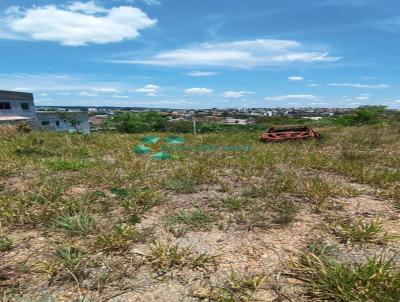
(63, 125)
(16, 109)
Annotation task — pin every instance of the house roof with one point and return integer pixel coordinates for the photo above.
(15, 95)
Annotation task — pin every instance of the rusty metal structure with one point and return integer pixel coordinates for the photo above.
(282, 133)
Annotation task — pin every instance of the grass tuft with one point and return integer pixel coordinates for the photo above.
(180, 222)
(5, 244)
(358, 231)
(377, 279)
(235, 289)
(118, 238)
(78, 223)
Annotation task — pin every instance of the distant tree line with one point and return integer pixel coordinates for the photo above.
(137, 122)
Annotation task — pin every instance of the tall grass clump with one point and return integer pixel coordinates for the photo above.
(377, 279)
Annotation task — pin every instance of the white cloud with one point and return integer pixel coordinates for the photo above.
(295, 78)
(105, 89)
(313, 85)
(363, 96)
(238, 54)
(89, 7)
(85, 93)
(120, 96)
(397, 101)
(149, 90)
(202, 73)
(199, 91)
(357, 85)
(292, 97)
(236, 94)
(77, 24)
(43, 94)
(151, 2)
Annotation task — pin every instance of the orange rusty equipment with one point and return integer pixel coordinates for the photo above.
(281, 133)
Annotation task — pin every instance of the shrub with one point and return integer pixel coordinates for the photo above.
(129, 122)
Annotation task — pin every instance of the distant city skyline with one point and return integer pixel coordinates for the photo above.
(202, 54)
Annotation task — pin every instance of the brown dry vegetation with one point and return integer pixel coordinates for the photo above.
(83, 218)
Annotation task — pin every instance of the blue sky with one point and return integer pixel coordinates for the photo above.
(202, 54)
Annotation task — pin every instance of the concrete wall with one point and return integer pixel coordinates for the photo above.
(52, 121)
(16, 108)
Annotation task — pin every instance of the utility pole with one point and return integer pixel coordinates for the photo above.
(194, 124)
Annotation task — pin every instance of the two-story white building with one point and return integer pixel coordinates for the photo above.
(19, 107)
(16, 107)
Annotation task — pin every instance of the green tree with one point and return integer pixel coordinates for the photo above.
(134, 122)
(73, 122)
(362, 116)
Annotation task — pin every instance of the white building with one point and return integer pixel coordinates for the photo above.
(64, 121)
(19, 107)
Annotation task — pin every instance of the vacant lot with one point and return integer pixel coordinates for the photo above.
(83, 218)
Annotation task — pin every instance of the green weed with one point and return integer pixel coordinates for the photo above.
(358, 231)
(5, 244)
(377, 279)
(235, 289)
(65, 165)
(118, 238)
(77, 223)
(197, 220)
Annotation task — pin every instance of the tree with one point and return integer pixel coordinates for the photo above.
(134, 122)
(361, 116)
(73, 122)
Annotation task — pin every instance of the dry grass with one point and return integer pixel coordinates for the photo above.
(83, 217)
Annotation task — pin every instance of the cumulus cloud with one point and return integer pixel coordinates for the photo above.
(199, 91)
(76, 24)
(202, 73)
(295, 78)
(149, 90)
(236, 94)
(357, 85)
(238, 54)
(291, 97)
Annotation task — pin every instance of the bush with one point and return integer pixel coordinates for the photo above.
(129, 122)
(365, 115)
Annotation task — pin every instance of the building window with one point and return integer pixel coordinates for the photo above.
(25, 106)
(45, 123)
(5, 105)
(58, 123)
